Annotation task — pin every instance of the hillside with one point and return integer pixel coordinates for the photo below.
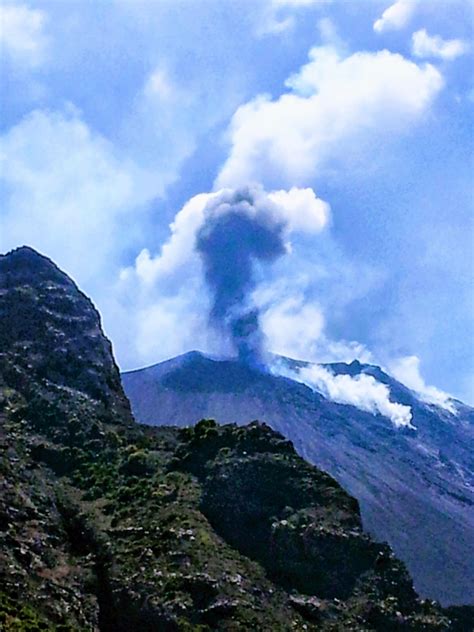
(415, 487)
(107, 525)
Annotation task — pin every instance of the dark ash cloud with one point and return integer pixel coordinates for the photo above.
(242, 229)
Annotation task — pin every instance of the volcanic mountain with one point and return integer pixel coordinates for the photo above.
(414, 485)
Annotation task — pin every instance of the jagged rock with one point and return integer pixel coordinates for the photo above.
(310, 607)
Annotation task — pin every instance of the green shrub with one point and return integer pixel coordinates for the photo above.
(203, 427)
(138, 463)
(16, 617)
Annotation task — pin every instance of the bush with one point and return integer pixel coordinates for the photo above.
(138, 463)
(203, 427)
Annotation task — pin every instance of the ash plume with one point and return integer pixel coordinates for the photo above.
(242, 229)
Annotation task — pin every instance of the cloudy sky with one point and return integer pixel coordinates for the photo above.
(122, 121)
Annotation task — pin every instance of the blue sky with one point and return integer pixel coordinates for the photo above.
(116, 114)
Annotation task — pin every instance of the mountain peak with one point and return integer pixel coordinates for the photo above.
(24, 255)
(25, 264)
(51, 337)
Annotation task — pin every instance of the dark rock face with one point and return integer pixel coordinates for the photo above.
(249, 485)
(51, 341)
(109, 526)
(60, 394)
(415, 488)
(299, 524)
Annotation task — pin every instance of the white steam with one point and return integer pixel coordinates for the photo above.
(302, 210)
(407, 371)
(362, 391)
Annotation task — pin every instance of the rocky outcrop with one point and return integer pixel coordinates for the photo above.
(60, 393)
(52, 348)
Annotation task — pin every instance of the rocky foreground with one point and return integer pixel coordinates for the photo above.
(108, 525)
(415, 486)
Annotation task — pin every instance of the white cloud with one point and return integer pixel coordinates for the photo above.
(168, 326)
(343, 351)
(362, 391)
(159, 85)
(169, 115)
(160, 130)
(303, 211)
(22, 36)
(407, 371)
(335, 104)
(300, 209)
(292, 326)
(178, 250)
(278, 16)
(73, 195)
(329, 34)
(274, 25)
(66, 192)
(425, 45)
(395, 17)
(299, 3)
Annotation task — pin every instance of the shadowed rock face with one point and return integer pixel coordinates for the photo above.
(110, 526)
(415, 488)
(51, 343)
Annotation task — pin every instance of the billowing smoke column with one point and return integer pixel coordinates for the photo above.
(241, 229)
